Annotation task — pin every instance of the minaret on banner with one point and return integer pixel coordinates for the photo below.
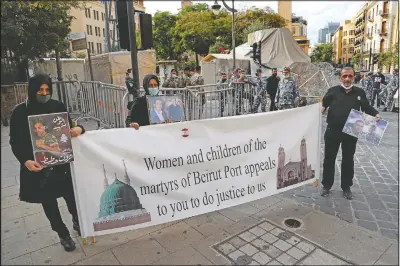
(303, 157)
(105, 178)
(126, 177)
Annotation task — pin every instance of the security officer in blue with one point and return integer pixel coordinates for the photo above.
(288, 92)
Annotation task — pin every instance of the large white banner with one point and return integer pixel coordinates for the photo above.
(126, 179)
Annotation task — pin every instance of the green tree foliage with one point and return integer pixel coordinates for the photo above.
(356, 59)
(390, 57)
(385, 59)
(29, 31)
(322, 53)
(33, 29)
(80, 55)
(138, 39)
(197, 29)
(164, 35)
(255, 26)
(395, 55)
(256, 16)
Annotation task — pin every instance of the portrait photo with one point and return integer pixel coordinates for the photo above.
(365, 127)
(51, 139)
(165, 109)
(354, 123)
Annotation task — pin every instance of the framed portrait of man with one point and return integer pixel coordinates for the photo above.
(166, 109)
(365, 127)
(51, 139)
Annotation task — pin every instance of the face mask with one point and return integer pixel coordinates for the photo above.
(153, 91)
(286, 76)
(174, 76)
(346, 88)
(42, 98)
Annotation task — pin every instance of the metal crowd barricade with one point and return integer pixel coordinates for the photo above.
(103, 103)
(20, 91)
(217, 100)
(68, 93)
(86, 101)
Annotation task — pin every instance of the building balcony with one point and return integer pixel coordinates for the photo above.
(384, 13)
(382, 33)
(358, 32)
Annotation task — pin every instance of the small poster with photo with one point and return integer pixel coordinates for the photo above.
(165, 109)
(51, 139)
(365, 127)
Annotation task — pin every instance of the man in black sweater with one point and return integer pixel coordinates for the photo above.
(340, 100)
(272, 87)
(377, 80)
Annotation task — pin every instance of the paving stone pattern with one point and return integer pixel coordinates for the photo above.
(375, 189)
(268, 244)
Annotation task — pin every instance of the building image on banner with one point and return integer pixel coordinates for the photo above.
(119, 205)
(293, 172)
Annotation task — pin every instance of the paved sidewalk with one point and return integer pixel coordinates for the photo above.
(252, 233)
(376, 186)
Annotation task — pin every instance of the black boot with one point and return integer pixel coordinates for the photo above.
(75, 225)
(67, 243)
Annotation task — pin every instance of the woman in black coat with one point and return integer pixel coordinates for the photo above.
(38, 185)
(139, 115)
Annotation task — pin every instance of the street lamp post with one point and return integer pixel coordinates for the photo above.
(216, 8)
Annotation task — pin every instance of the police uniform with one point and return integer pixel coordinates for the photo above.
(170, 83)
(261, 87)
(287, 94)
(197, 80)
(366, 84)
(223, 95)
(391, 90)
(181, 81)
(237, 92)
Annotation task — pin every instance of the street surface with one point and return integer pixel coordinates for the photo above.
(333, 230)
(376, 185)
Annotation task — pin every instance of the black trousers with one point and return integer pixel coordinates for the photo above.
(375, 94)
(333, 139)
(272, 105)
(50, 207)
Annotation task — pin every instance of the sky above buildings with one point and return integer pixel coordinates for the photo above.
(318, 14)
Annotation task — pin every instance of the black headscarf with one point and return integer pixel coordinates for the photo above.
(34, 107)
(146, 80)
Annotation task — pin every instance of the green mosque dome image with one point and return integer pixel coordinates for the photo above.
(118, 197)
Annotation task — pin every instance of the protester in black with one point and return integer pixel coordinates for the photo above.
(340, 100)
(139, 115)
(38, 185)
(272, 87)
(378, 79)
